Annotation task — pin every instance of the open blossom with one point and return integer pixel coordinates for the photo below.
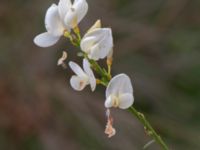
(97, 42)
(119, 92)
(60, 18)
(82, 78)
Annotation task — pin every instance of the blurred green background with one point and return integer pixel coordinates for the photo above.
(157, 43)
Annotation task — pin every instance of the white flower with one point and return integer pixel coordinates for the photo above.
(60, 18)
(54, 27)
(119, 92)
(82, 78)
(97, 42)
(72, 13)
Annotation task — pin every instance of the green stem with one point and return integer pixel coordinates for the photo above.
(148, 127)
(99, 70)
(96, 67)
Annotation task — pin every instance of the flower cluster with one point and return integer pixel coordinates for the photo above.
(96, 44)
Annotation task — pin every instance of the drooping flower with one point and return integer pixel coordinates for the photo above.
(119, 93)
(97, 42)
(109, 130)
(62, 59)
(83, 77)
(60, 18)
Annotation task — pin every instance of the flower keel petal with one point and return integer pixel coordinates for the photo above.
(78, 83)
(108, 103)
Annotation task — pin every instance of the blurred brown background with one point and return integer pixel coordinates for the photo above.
(157, 43)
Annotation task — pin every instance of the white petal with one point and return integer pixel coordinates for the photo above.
(53, 22)
(78, 83)
(97, 43)
(118, 85)
(126, 100)
(81, 8)
(77, 69)
(89, 72)
(94, 52)
(46, 40)
(108, 103)
(106, 43)
(63, 7)
(71, 18)
(87, 43)
(98, 51)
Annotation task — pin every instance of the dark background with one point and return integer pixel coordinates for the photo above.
(157, 43)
